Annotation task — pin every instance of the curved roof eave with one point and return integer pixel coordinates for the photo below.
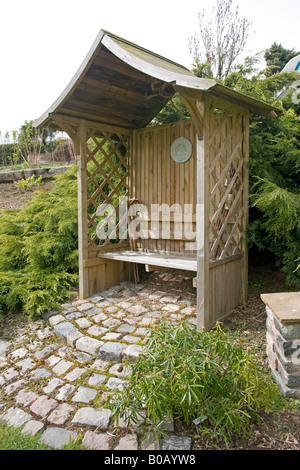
(155, 67)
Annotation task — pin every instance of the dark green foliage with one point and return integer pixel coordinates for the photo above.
(174, 111)
(208, 375)
(39, 249)
(277, 57)
(274, 168)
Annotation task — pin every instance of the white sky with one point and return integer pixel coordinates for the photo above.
(42, 44)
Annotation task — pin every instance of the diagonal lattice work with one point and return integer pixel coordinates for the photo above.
(107, 180)
(226, 185)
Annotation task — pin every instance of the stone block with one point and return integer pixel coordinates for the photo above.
(112, 351)
(98, 417)
(57, 437)
(176, 443)
(15, 417)
(129, 442)
(26, 397)
(89, 345)
(64, 329)
(96, 441)
(42, 406)
(84, 395)
(132, 351)
(32, 427)
(61, 414)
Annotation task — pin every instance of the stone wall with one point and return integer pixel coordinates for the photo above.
(283, 341)
(46, 173)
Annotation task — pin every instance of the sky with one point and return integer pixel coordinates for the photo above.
(42, 44)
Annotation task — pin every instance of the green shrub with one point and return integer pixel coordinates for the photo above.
(208, 375)
(39, 249)
(29, 183)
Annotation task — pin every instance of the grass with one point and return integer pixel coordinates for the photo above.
(12, 439)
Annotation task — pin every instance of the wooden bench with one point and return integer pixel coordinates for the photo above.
(174, 260)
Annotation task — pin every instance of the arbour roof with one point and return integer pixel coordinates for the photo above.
(122, 84)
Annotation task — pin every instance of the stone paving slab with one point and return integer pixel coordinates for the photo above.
(56, 375)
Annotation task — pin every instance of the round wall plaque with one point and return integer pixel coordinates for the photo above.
(181, 150)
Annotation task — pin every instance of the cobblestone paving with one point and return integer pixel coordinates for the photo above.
(56, 376)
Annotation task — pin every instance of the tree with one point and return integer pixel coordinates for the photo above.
(223, 38)
(274, 170)
(277, 57)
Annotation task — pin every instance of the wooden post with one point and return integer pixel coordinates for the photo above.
(82, 212)
(245, 202)
(203, 320)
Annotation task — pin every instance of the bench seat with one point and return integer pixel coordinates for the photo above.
(174, 260)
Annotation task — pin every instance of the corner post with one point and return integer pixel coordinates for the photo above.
(82, 212)
(203, 320)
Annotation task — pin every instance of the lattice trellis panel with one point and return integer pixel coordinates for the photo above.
(107, 180)
(226, 161)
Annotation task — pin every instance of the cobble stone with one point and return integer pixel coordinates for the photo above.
(25, 397)
(43, 405)
(85, 306)
(19, 353)
(112, 351)
(52, 385)
(10, 374)
(93, 311)
(43, 353)
(111, 337)
(89, 345)
(95, 441)
(125, 328)
(40, 373)
(129, 442)
(97, 379)
(57, 437)
(64, 392)
(52, 360)
(131, 339)
(116, 383)
(137, 310)
(84, 395)
(15, 417)
(73, 337)
(75, 374)
(32, 427)
(111, 323)
(98, 417)
(176, 443)
(132, 351)
(83, 322)
(61, 414)
(56, 319)
(64, 329)
(62, 367)
(150, 443)
(100, 317)
(13, 387)
(96, 330)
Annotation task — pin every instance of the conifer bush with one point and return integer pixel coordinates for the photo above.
(39, 249)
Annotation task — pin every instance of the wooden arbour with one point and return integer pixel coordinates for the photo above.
(192, 214)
